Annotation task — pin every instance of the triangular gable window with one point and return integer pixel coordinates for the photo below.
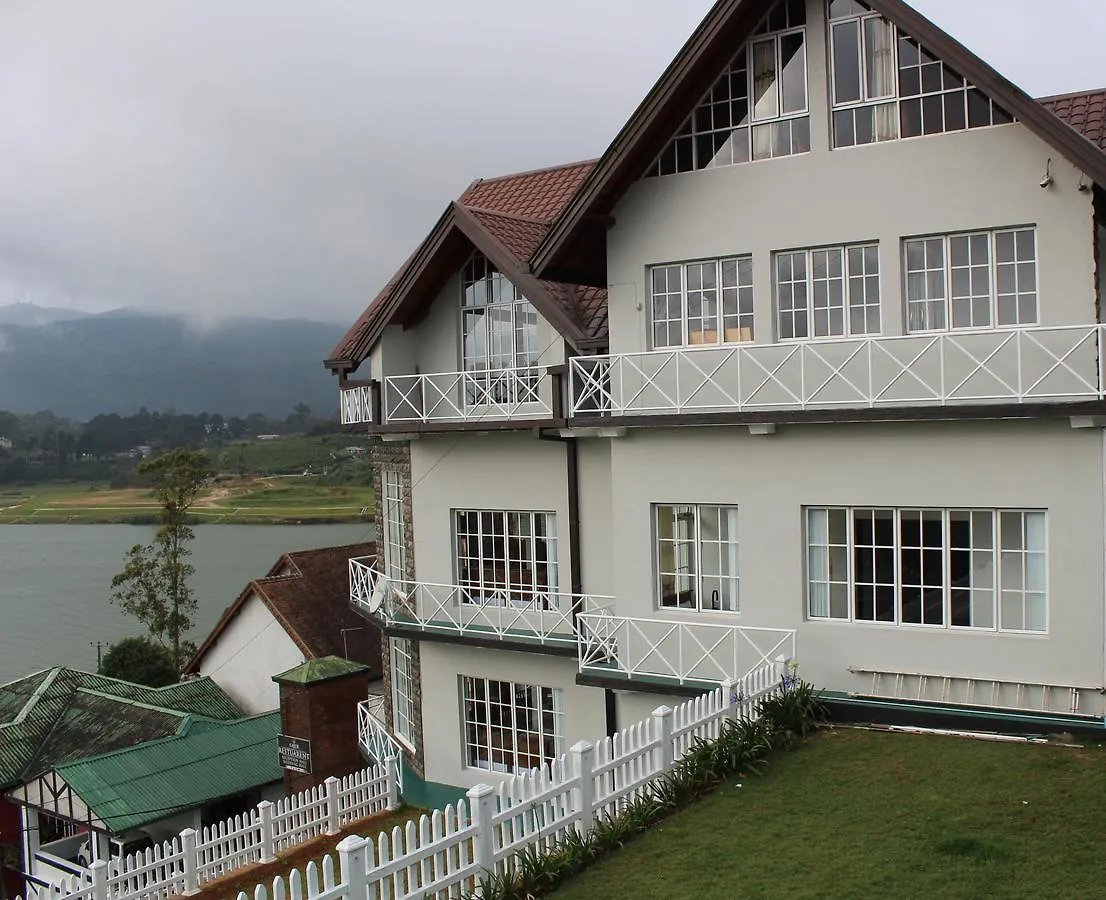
(499, 326)
(885, 85)
(757, 109)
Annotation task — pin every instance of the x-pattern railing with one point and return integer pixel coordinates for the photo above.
(1021, 365)
(684, 651)
(493, 394)
(546, 617)
(356, 403)
(376, 742)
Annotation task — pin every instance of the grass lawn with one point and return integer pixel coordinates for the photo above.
(248, 500)
(868, 814)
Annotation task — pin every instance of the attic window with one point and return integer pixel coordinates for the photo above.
(757, 109)
(885, 85)
(499, 327)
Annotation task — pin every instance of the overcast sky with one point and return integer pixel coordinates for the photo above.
(282, 157)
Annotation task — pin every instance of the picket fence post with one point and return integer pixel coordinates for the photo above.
(99, 872)
(729, 702)
(333, 813)
(481, 810)
(782, 663)
(268, 841)
(191, 861)
(391, 775)
(662, 728)
(353, 863)
(583, 795)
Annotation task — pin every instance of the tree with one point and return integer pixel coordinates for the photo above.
(153, 586)
(140, 660)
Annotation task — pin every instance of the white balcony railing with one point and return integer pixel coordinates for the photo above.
(493, 395)
(682, 651)
(376, 742)
(534, 617)
(1024, 365)
(356, 403)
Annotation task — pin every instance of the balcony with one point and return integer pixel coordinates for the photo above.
(489, 395)
(1017, 366)
(356, 405)
(528, 619)
(664, 652)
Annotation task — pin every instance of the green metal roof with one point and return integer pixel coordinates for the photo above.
(60, 714)
(129, 788)
(316, 671)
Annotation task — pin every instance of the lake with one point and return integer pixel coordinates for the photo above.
(55, 582)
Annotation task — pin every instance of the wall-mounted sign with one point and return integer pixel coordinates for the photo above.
(295, 754)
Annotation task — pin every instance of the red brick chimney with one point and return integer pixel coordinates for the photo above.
(318, 720)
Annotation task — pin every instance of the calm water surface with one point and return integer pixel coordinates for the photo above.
(55, 582)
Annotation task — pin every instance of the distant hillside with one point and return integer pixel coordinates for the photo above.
(126, 359)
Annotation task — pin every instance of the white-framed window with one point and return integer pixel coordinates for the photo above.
(757, 108)
(499, 330)
(403, 691)
(885, 85)
(827, 292)
(395, 543)
(982, 279)
(702, 303)
(507, 557)
(511, 727)
(697, 558)
(982, 569)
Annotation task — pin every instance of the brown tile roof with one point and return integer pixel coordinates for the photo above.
(516, 210)
(1084, 111)
(311, 603)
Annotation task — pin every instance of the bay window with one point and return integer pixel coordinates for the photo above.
(976, 280)
(507, 558)
(697, 558)
(828, 292)
(956, 568)
(757, 108)
(702, 303)
(511, 727)
(885, 85)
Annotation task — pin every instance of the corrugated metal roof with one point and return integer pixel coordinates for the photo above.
(63, 714)
(129, 788)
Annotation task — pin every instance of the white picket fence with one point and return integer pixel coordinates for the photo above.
(194, 858)
(445, 853)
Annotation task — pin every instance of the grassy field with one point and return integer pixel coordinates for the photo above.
(864, 814)
(250, 500)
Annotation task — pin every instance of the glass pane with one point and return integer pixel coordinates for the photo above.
(793, 59)
(879, 41)
(846, 62)
(765, 93)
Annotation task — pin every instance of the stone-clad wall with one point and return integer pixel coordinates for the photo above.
(397, 457)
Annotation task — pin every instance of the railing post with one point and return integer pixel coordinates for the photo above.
(583, 796)
(99, 872)
(662, 728)
(481, 809)
(353, 866)
(391, 775)
(268, 843)
(190, 860)
(333, 812)
(729, 700)
(780, 665)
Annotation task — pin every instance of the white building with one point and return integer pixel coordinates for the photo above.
(808, 363)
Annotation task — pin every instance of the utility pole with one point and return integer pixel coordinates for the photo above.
(97, 645)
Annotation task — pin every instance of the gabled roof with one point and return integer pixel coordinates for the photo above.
(1084, 111)
(504, 218)
(132, 787)
(63, 714)
(575, 247)
(311, 603)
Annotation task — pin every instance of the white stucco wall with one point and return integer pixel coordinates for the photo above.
(979, 179)
(250, 651)
(1020, 465)
(442, 667)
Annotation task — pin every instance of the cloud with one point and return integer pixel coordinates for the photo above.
(281, 158)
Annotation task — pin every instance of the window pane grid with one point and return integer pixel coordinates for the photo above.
(697, 558)
(511, 727)
(506, 557)
(395, 544)
(705, 303)
(828, 292)
(403, 704)
(929, 568)
(974, 280)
